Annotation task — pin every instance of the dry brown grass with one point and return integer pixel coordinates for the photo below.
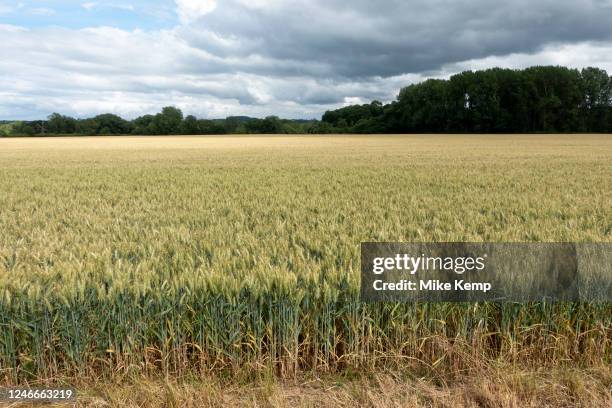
(493, 388)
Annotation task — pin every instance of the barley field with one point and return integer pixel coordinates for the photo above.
(240, 254)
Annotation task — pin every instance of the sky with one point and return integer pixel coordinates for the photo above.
(291, 58)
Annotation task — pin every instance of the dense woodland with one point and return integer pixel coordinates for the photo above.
(536, 99)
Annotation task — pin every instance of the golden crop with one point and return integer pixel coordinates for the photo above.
(206, 253)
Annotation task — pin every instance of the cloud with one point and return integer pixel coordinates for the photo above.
(37, 11)
(190, 10)
(294, 58)
(127, 7)
(93, 5)
(365, 38)
(42, 11)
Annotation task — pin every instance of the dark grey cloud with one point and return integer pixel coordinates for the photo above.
(384, 38)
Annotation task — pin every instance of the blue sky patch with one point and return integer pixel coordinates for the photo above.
(125, 14)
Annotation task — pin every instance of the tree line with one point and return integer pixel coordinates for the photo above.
(170, 121)
(536, 99)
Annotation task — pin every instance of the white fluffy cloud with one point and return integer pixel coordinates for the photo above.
(190, 10)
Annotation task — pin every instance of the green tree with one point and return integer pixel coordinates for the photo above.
(22, 129)
(596, 88)
(210, 127)
(190, 126)
(109, 124)
(231, 124)
(168, 122)
(60, 124)
(140, 125)
(87, 127)
(269, 125)
(597, 100)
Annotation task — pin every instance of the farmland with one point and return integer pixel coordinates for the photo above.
(191, 255)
